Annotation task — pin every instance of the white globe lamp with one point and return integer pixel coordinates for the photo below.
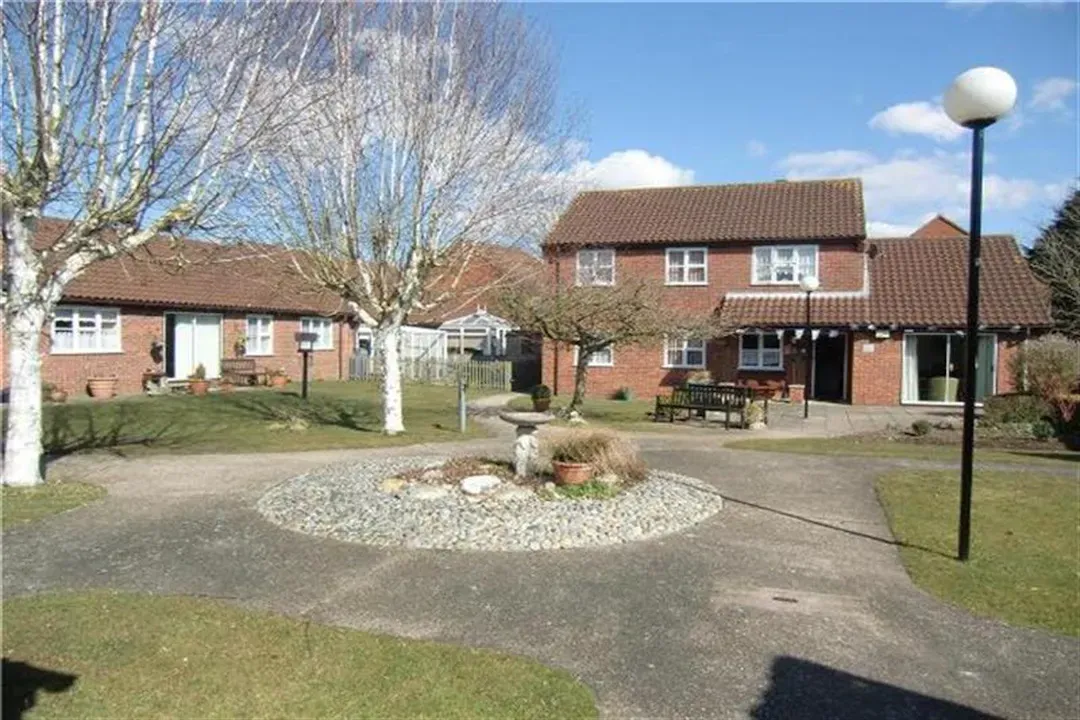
(980, 97)
(809, 283)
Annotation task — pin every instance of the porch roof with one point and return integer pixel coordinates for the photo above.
(913, 283)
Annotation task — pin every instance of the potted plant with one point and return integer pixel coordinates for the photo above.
(541, 398)
(699, 377)
(240, 346)
(52, 393)
(278, 378)
(102, 388)
(197, 382)
(571, 457)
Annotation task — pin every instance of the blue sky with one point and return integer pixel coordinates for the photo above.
(715, 93)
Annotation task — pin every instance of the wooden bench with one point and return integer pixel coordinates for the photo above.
(727, 399)
(239, 371)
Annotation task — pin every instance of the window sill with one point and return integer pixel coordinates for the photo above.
(687, 284)
(86, 352)
(775, 283)
(259, 355)
(755, 368)
(683, 367)
(581, 284)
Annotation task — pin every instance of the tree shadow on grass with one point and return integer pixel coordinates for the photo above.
(287, 406)
(1063, 455)
(80, 428)
(22, 682)
(801, 689)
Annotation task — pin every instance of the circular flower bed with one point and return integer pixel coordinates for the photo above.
(389, 503)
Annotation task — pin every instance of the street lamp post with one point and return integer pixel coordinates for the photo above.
(808, 283)
(976, 100)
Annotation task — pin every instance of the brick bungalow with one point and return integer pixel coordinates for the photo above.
(887, 321)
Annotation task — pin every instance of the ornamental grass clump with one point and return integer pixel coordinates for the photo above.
(607, 452)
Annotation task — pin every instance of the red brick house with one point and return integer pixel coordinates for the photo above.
(887, 321)
(176, 304)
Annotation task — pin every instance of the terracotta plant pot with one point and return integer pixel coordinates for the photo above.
(279, 381)
(101, 388)
(572, 473)
(199, 387)
(541, 404)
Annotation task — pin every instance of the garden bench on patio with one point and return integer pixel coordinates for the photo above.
(727, 399)
(240, 371)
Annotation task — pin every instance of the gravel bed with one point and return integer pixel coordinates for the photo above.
(345, 502)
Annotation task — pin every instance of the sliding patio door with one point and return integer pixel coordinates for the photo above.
(934, 367)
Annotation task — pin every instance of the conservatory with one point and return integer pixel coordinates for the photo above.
(480, 333)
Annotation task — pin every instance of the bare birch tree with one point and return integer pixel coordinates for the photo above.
(132, 120)
(594, 318)
(436, 135)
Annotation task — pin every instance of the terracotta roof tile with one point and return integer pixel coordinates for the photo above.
(937, 227)
(916, 284)
(814, 209)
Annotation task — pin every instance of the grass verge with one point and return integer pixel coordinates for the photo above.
(854, 445)
(1024, 565)
(336, 415)
(614, 413)
(24, 505)
(144, 656)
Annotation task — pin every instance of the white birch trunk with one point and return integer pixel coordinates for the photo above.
(25, 319)
(388, 343)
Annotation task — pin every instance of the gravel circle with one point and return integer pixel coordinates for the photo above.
(345, 502)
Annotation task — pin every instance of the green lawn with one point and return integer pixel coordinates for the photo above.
(1024, 564)
(23, 505)
(170, 657)
(336, 415)
(854, 445)
(616, 413)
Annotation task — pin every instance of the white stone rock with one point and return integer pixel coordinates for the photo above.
(512, 492)
(758, 426)
(392, 484)
(431, 475)
(608, 479)
(479, 484)
(576, 419)
(428, 492)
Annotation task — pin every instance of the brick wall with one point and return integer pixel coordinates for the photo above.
(876, 369)
(1008, 346)
(139, 327)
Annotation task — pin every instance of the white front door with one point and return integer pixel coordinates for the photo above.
(197, 340)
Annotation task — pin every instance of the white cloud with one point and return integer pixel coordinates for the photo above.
(917, 118)
(1050, 94)
(756, 148)
(878, 228)
(913, 185)
(631, 168)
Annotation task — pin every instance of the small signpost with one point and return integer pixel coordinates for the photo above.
(305, 342)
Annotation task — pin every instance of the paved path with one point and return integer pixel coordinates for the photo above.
(789, 603)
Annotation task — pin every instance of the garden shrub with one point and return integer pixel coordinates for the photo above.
(1042, 430)
(606, 451)
(1015, 408)
(1051, 368)
(624, 393)
(921, 427)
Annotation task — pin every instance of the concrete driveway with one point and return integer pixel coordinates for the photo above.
(789, 603)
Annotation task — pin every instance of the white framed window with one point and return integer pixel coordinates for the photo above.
(596, 267)
(85, 330)
(684, 353)
(600, 358)
(760, 351)
(323, 328)
(260, 335)
(783, 264)
(687, 266)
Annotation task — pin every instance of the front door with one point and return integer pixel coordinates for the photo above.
(830, 367)
(192, 340)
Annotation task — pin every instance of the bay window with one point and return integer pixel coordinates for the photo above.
(83, 330)
(784, 264)
(760, 351)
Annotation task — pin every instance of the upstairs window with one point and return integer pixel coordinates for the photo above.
(81, 330)
(684, 353)
(760, 351)
(596, 267)
(260, 335)
(687, 266)
(322, 327)
(784, 264)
